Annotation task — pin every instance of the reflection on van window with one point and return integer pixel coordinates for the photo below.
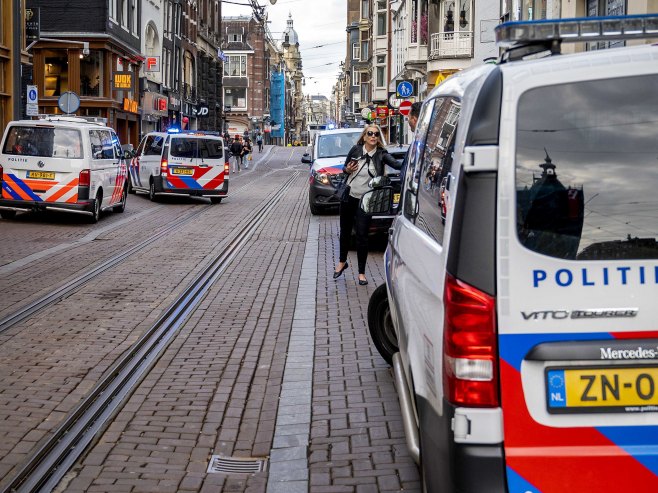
(43, 142)
(197, 148)
(587, 169)
(336, 145)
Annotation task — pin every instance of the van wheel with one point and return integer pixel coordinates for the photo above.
(124, 196)
(216, 200)
(7, 214)
(96, 213)
(380, 324)
(152, 195)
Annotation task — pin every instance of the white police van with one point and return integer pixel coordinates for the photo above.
(63, 163)
(191, 163)
(519, 310)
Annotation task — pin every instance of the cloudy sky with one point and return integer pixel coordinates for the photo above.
(320, 25)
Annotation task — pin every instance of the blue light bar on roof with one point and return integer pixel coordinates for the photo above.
(578, 29)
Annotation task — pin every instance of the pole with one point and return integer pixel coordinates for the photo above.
(16, 62)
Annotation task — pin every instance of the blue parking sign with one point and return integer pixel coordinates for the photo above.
(405, 89)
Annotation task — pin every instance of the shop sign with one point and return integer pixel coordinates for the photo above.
(382, 111)
(152, 64)
(32, 24)
(174, 102)
(130, 105)
(122, 81)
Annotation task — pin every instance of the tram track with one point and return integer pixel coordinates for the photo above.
(57, 454)
(32, 308)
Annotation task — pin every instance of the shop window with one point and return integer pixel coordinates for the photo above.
(91, 74)
(235, 97)
(56, 74)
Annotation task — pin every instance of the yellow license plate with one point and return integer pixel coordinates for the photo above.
(612, 389)
(396, 198)
(182, 171)
(41, 175)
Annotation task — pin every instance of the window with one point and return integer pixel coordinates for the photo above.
(356, 51)
(44, 142)
(365, 9)
(235, 38)
(381, 24)
(435, 166)
(364, 50)
(380, 76)
(365, 91)
(113, 9)
(102, 146)
(235, 66)
(381, 5)
(153, 145)
(133, 6)
(413, 166)
(91, 74)
(56, 73)
(124, 13)
(166, 66)
(235, 97)
(356, 77)
(586, 173)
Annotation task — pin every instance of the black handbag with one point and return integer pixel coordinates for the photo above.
(343, 190)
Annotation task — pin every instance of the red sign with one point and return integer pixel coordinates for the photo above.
(382, 111)
(405, 108)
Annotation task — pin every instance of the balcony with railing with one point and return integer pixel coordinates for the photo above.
(453, 44)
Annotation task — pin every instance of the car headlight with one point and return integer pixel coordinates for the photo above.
(322, 178)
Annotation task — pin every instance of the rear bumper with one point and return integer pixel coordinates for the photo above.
(84, 207)
(161, 188)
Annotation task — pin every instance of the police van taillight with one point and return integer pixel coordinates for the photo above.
(469, 346)
(164, 164)
(84, 180)
(226, 167)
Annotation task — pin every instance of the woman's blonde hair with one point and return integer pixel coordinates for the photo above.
(362, 138)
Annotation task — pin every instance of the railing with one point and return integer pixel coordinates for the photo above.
(457, 44)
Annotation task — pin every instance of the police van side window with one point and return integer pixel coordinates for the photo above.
(153, 145)
(416, 150)
(435, 166)
(96, 144)
(586, 169)
(107, 143)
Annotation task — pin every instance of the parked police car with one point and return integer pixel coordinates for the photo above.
(519, 310)
(192, 163)
(62, 163)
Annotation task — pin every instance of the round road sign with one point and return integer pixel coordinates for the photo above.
(68, 102)
(405, 108)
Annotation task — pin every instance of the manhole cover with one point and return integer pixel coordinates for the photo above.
(235, 465)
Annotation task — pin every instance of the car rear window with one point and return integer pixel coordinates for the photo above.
(336, 145)
(43, 142)
(197, 148)
(587, 169)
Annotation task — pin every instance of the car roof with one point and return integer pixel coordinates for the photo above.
(59, 121)
(350, 130)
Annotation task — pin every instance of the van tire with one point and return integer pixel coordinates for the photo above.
(152, 196)
(96, 213)
(6, 214)
(121, 206)
(216, 200)
(380, 324)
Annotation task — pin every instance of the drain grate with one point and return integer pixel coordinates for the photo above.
(235, 465)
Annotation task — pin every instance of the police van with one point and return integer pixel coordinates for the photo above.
(519, 311)
(62, 163)
(192, 163)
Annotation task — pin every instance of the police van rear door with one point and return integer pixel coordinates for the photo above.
(578, 273)
(196, 162)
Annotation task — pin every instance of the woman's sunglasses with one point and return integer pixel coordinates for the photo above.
(370, 133)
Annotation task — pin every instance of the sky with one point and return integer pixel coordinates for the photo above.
(320, 25)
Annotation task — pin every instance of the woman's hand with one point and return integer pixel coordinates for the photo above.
(352, 166)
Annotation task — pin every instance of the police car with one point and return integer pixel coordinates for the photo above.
(62, 163)
(192, 163)
(519, 310)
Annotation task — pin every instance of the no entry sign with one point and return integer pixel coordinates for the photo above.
(405, 108)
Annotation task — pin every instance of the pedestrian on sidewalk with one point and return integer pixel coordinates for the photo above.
(236, 150)
(259, 141)
(365, 160)
(246, 152)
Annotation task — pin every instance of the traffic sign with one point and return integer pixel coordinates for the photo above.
(32, 95)
(394, 101)
(405, 108)
(68, 102)
(405, 89)
(365, 112)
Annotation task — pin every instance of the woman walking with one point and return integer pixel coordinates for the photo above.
(366, 160)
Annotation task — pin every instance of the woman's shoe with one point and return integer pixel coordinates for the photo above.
(363, 282)
(337, 274)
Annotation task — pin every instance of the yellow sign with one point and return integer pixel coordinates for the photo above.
(130, 105)
(122, 81)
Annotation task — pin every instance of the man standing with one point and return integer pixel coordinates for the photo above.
(259, 141)
(236, 150)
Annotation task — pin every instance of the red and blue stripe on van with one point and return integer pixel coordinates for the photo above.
(210, 178)
(584, 459)
(15, 188)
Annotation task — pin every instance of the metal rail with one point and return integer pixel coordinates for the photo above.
(48, 465)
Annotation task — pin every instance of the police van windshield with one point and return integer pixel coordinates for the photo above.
(197, 148)
(587, 169)
(336, 145)
(43, 142)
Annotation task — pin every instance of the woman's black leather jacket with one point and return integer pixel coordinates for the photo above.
(380, 159)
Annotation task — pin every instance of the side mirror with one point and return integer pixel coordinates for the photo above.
(306, 158)
(378, 202)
